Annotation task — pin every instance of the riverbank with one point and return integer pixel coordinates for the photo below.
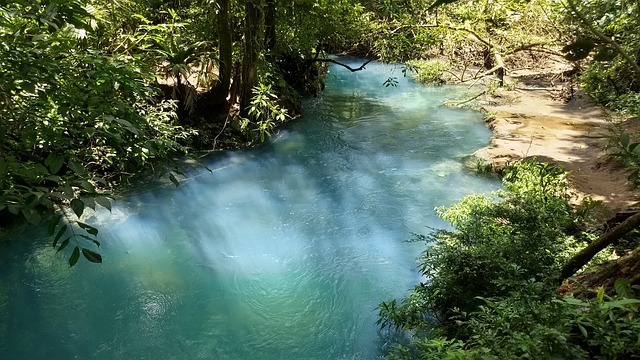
(532, 120)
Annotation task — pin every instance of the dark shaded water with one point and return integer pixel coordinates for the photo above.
(282, 252)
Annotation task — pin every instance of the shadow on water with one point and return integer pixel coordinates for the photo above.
(281, 252)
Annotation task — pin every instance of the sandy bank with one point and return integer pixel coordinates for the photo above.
(530, 123)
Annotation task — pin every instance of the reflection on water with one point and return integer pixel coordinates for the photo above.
(281, 252)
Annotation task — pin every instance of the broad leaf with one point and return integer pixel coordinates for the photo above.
(32, 216)
(92, 256)
(88, 228)
(61, 232)
(54, 161)
(75, 255)
(624, 140)
(53, 223)
(77, 206)
(63, 244)
(104, 202)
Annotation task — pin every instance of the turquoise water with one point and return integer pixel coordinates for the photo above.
(281, 252)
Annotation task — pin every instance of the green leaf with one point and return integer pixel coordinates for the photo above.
(578, 50)
(54, 162)
(88, 228)
(61, 232)
(624, 140)
(91, 239)
(32, 216)
(75, 255)
(583, 330)
(600, 295)
(76, 167)
(92, 256)
(77, 206)
(104, 202)
(89, 202)
(174, 180)
(53, 223)
(63, 245)
(621, 303)
(623, 288)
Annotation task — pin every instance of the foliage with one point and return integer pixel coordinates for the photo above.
(73, 120)
(489, 292)
(607, 31)
(265, 113)
(526, 325)
(430, 71)
(625, 146)
(497, 244)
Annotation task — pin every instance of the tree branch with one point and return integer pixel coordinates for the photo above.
(583, 257)
(595, 31)
(362, 67)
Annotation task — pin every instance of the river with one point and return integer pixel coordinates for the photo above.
(280, 252)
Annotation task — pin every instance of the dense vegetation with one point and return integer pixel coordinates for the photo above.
(92, 93)
(491, 282)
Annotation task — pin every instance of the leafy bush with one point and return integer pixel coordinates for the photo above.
(73, 120)
(496, 245)
(430, 71)
(490, 289)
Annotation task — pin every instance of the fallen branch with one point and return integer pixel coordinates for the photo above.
(460, 103)
(583, 257)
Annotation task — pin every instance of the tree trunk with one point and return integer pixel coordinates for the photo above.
(270, 25)
(225, 44)
(253, 41)
(583, 257)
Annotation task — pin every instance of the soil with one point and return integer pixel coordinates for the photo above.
(534, 120)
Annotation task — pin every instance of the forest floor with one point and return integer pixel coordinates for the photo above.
(533, 120)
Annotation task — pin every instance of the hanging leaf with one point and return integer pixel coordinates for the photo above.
(63, 244)
(92, 256)
(89, 202)
(174, 180)
(578, 50)
(104, 202)
(91, 239)
(88, 228)
(75, 255)
(32, 216)
(61, 232)
(53, 223)
(77, 206)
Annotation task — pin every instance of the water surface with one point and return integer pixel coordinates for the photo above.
(281, 252)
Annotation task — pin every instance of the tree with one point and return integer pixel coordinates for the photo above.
(225, 50)
(253, 46)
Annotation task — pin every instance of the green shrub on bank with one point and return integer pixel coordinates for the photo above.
(433, 72)
(490, 282)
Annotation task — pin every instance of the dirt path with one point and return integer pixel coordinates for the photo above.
(529, 123)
